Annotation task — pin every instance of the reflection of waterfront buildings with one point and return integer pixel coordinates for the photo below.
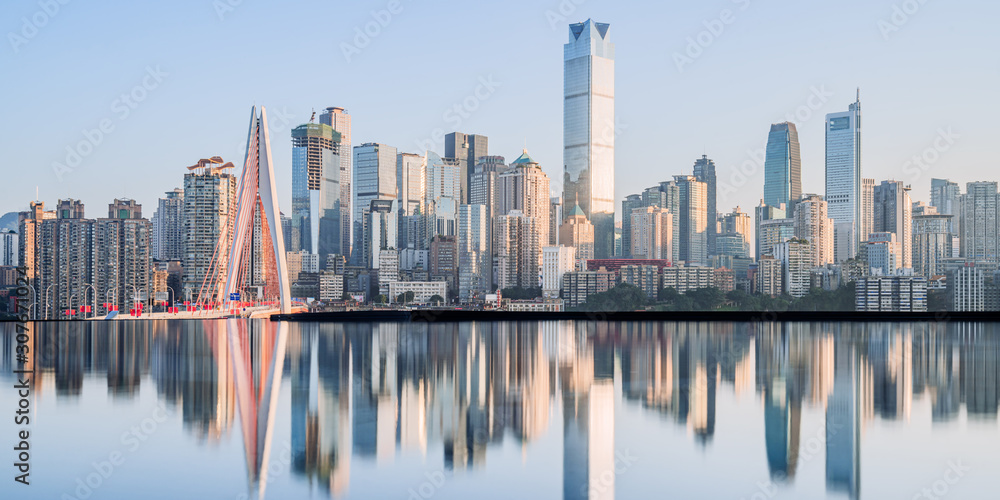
(461, 392)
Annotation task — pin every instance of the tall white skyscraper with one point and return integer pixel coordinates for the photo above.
(589, 129)
(340, 121)
(411, 189)
(843, 178)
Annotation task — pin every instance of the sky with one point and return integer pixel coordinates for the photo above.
(114, 99)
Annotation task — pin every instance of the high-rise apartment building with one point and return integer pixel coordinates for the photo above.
(525, 187)
(813, 225)
(945, 196)
(29, 225)
(893, 212)
(980, 221)
(380, 231)
(65, 259)
(209, 210)
(762, 213)
(555, 219)
(932, 242)
(168, 226)
(316, 194)
(517, 247)
(891, 293)
(8, 247)
(704, 171)
(444, 184)
(589, 128)
(483, 191)
(374, 179)
(577, 232)
(122, 256)
(768, 279)
(652, 233)
(340, 121)
(796, 265)
(475, 268)
(556, 262)
(867, 209)
(773, 232)
(692, 234)
(736, 223)
(466, 149)
(782, 166)
(843, 178)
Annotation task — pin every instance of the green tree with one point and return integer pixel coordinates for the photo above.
(623, 297)
(437, 299)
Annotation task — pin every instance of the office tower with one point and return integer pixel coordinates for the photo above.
(891, 294)
(29, 226)
(882, 252)
(122, 247)
(796, 262)
(466, 149)
(374, 179)
(843, 178)
(209, 209)
(867, 208)
(475, 266)
(483, 191)
(577, 232)
(168, 226)
(555, 219)
(768, 278)
(704, 171)
(411, 189)
(380, 232)
(340, 121)
(517, 249)
(782, 166)
(813, 225)
(556, 262)
(773, 232)
(652, 233)
(932, 242)
(980, 221)
(65, 259)
(316, 193)
(8, 247)
(945, 196)
(589, 128)
(893, 214)
(443, 195)
(692, 233)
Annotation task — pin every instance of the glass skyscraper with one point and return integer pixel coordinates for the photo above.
(374, 179)
(704, 171)
(782, 166)
(589, 129)
(843, 178)
(316, 208)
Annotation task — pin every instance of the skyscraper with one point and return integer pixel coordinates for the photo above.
(525, 187)
(209, 206)
(692, 234)
(467, 149)
(893, 214)
(843, 178)
(945, 196)
(577, 232)
(813, 225)
(474, 262)
(782, 166)
(483, 191)
(704, 171)
(980, 229)
(8, 247)
(867, 208)
(168, 227)
(65, 258)
(340, 121)
(316, 193)
(29, 226)
(411, 180)
(589, 128)
(444, 188)
(652, 233)
(121, 246)
(932, 242)
(374, 179)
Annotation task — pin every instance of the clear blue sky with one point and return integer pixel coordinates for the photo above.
(940, 69)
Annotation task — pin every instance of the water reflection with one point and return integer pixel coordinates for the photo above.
(460, 391)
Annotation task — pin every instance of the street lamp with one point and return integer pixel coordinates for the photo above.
(47, 308)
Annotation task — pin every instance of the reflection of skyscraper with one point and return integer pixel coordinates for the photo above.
(845, 420)
(589, 128)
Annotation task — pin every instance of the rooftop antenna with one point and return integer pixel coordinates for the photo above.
(36, 193)
(312, 118)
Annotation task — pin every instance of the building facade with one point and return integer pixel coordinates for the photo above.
(782, 166)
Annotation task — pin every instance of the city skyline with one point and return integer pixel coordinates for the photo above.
(728, 144)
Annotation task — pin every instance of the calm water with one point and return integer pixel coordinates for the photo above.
(568, 410)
